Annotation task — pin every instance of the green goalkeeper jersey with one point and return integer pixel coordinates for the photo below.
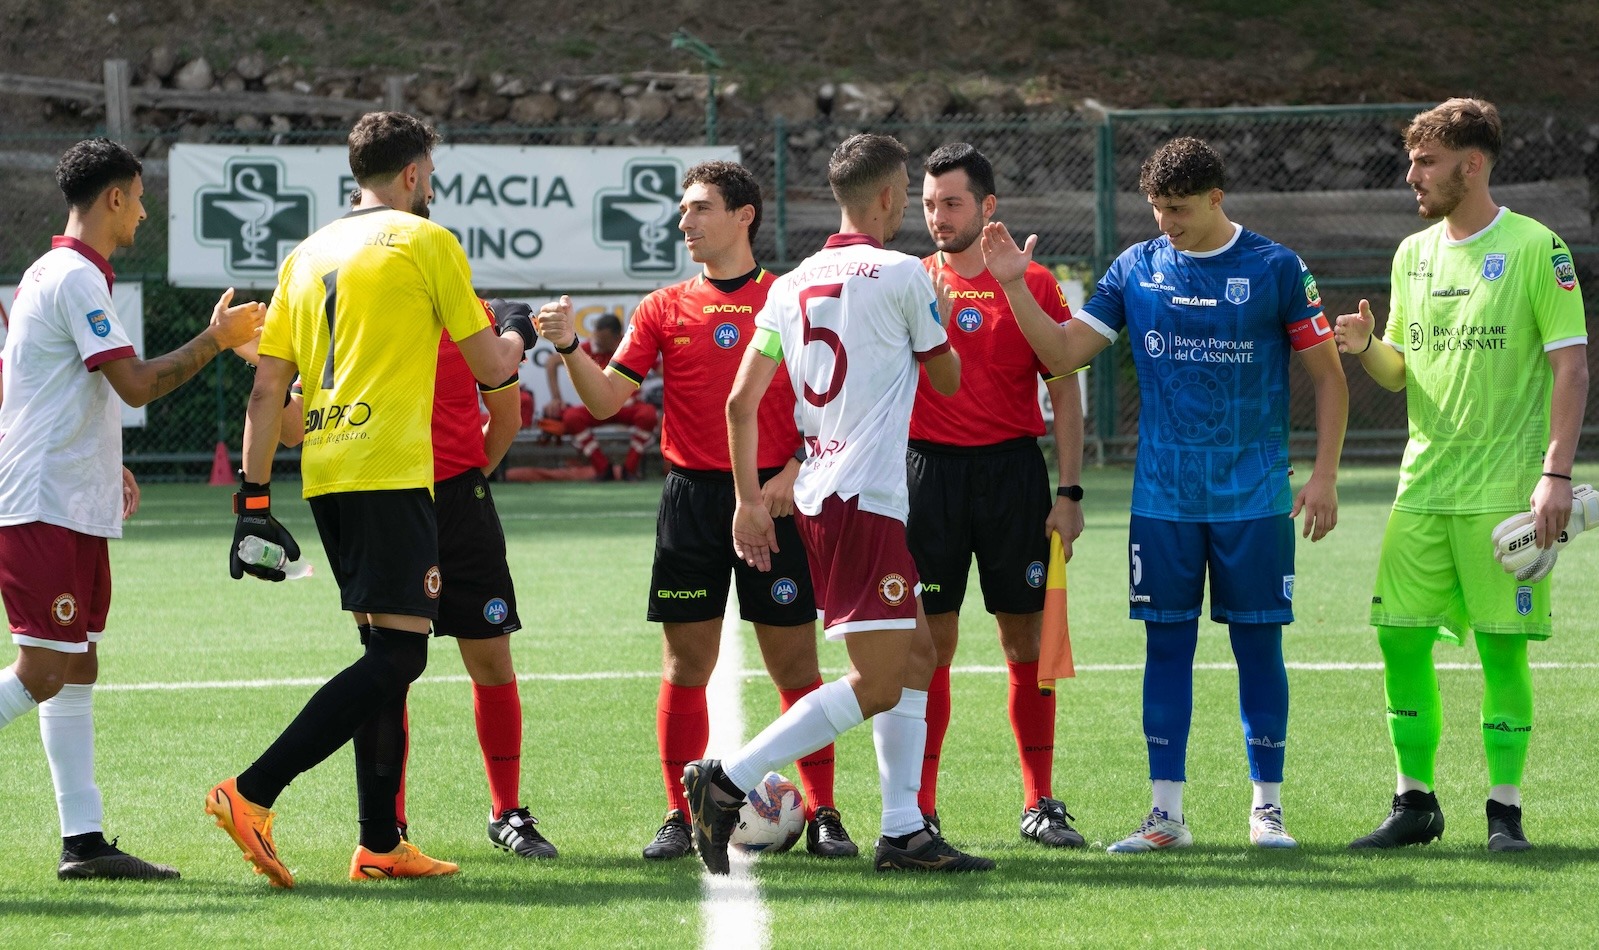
(1474, 319)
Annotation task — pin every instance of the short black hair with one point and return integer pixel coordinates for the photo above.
(1182, 168)
(734, 181)
(608, 321)
(961, 155)
(383, 143)
(88, 168)
(861, 164)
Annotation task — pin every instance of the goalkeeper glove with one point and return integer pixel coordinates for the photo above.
(514, 315)
(1516, 541)
(252, 503)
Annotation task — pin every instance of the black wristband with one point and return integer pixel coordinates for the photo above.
(1557, 475)
(800, 454)
(1070, 492)
(1368, 344)
(569, 348)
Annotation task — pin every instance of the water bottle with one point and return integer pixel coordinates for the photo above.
(263, 553)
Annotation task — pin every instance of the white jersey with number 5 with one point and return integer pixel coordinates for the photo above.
(854, 320)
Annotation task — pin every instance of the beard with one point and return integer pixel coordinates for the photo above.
(960, 240)
(1445, 197)
(419, 204)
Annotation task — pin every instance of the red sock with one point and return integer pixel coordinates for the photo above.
(816, 770)
(498, 713)
(937, 725)
(682, 728)
(1032, 718)
(405, 765)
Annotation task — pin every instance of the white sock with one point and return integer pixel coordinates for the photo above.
(900, 735)
(1168, 797)
(1506, 794)
(1408, 784)
(809, 724)
(66, 724)
(1268, 793)
(14, 698)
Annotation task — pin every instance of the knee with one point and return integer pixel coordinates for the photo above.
(406, 654)
(576, 419)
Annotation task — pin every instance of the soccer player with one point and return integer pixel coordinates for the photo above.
(1486, 336)
(978, 484)
(699, 329)
(851, 322)
(639, 416)
(358, 313)
(1213, 310)
(63, 489)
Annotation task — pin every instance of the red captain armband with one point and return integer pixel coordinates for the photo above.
(1307, 333)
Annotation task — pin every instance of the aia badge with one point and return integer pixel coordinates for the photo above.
(496, 610)
(1238, 290)
(726, 336)
(784, 590)
(1493, 267)
(1035, 574)
(969, 319)
(1565, 271)
(893, 588)
(1524, 600)
(99, 323)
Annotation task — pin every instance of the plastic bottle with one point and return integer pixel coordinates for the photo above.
(263, 553)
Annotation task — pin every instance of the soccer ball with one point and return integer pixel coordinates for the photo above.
(772, 817)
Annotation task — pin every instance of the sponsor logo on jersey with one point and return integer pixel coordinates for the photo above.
(1312, 293)
(971, 295)
(893, 589)
(969, 319)
(355, 415)
(1157, 281)
(1238, 290)
(64, 609)
(681, 340)
(496, 610)
(1134, 597)
(636, 218)
(727, 308)
(1421, 272)
(1493, 267)
(1417, 338)
(726, 335)
(1565, 271)
(1288, 587)
(1187, 301)
(1154, 343)
(1035, 574)
(784, 590)
(431, 582)
(1524, 600)
(700, 594)
(1453, 291)
(254, 216)
(99, 323)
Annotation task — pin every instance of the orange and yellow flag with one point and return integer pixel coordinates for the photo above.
(1055, 649)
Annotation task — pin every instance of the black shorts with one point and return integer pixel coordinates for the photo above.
(383, 547)
(694, 552)
(478, 601)
(990, 501)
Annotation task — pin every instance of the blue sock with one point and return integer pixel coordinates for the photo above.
(1262, 696)
(1169, 696)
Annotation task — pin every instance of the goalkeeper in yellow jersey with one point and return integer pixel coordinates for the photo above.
(1486, 335)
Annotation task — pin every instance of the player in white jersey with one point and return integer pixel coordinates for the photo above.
(853, 322)
(63, 490)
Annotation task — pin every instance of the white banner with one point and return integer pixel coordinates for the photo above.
(128, 298)
(530, 218)
(585, 309)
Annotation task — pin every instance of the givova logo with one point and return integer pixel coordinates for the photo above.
(637, 218)
(254, 216)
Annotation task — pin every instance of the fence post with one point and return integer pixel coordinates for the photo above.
(394, 93)
(118, 100)
(1104, 365)
(780, 174)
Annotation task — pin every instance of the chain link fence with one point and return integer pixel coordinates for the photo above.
(1325, 181)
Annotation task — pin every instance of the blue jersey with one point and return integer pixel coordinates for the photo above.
(1210, 334)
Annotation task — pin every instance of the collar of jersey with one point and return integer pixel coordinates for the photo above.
(844, 240)
(357, 212)
(89, 254)
(1201, 255)
(1450, 242)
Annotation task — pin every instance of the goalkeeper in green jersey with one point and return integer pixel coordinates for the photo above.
(1486, 336)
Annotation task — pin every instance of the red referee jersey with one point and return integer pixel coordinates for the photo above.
(457, 420)
(998, 396)
(699, 335)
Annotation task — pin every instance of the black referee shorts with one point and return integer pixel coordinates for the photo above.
(694, 557)
(383, 547)
(990, 501)
(478, 601)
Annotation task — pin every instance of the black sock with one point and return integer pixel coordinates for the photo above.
(80, 844)
(379, 767)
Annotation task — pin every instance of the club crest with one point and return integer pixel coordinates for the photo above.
(1237, 290)
(1493, 267)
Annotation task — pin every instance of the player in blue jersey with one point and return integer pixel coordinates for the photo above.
(1212, 311)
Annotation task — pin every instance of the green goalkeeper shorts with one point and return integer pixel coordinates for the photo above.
(1440, 571)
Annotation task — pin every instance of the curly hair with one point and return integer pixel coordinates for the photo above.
(738, 187)
(861, 164)
(1458, 124)
(1181, 168)
(383, 143)
(88, 168)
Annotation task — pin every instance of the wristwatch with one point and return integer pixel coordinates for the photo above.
(1070, 492)
(570, 346)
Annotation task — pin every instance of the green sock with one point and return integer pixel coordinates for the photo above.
(1415, 711)
(1506, 705)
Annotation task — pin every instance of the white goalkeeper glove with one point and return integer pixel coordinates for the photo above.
(1516, 543)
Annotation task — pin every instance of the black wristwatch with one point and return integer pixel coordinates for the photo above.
(1070, 492)
(570, 347)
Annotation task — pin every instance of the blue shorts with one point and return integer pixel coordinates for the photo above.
(1251, 569)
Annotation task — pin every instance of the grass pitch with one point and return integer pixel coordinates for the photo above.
(200, 672)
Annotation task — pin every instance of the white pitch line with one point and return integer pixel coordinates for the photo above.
(735, 918)
(531, 516)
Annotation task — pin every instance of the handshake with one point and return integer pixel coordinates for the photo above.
(1516, 538)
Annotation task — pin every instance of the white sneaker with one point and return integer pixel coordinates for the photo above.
(1266, 828)
(1157, 833)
